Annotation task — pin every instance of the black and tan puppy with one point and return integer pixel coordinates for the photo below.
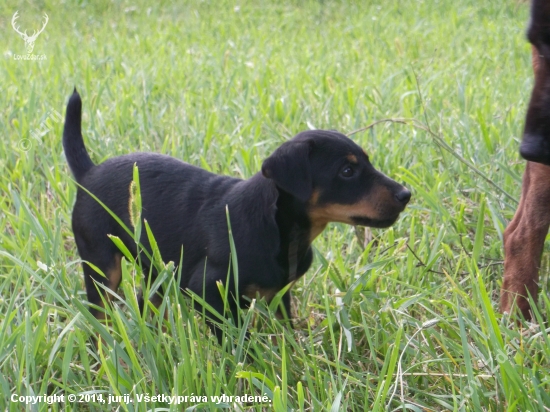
(316, 178)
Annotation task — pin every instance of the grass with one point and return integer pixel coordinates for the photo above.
(407, 321)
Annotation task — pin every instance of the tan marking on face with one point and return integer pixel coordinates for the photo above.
(314, 197)
(335, 212)
(375, 206)
(352, 158)
(254, 291)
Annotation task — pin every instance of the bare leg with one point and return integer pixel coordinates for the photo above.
(524, 240)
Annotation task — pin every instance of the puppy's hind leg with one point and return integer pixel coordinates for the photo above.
(97, 295)
(108, 261)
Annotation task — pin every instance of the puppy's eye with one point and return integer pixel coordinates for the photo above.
(347, 171)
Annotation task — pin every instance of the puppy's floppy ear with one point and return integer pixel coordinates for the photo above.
(290, 169)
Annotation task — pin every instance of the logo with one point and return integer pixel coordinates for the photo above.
(29, 40)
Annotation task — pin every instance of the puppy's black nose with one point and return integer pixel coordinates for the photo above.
(403, 196)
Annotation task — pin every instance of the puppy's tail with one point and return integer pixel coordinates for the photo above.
(73, 145)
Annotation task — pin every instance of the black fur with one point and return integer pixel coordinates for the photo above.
(535, 145)
(73, 145)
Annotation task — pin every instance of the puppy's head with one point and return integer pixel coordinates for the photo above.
(335, 180)
(535, 145)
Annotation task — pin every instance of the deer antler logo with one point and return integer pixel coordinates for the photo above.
(29, 40)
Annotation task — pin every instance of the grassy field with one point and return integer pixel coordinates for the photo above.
(406, 321)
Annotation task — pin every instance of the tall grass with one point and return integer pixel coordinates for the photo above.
(405, 321)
